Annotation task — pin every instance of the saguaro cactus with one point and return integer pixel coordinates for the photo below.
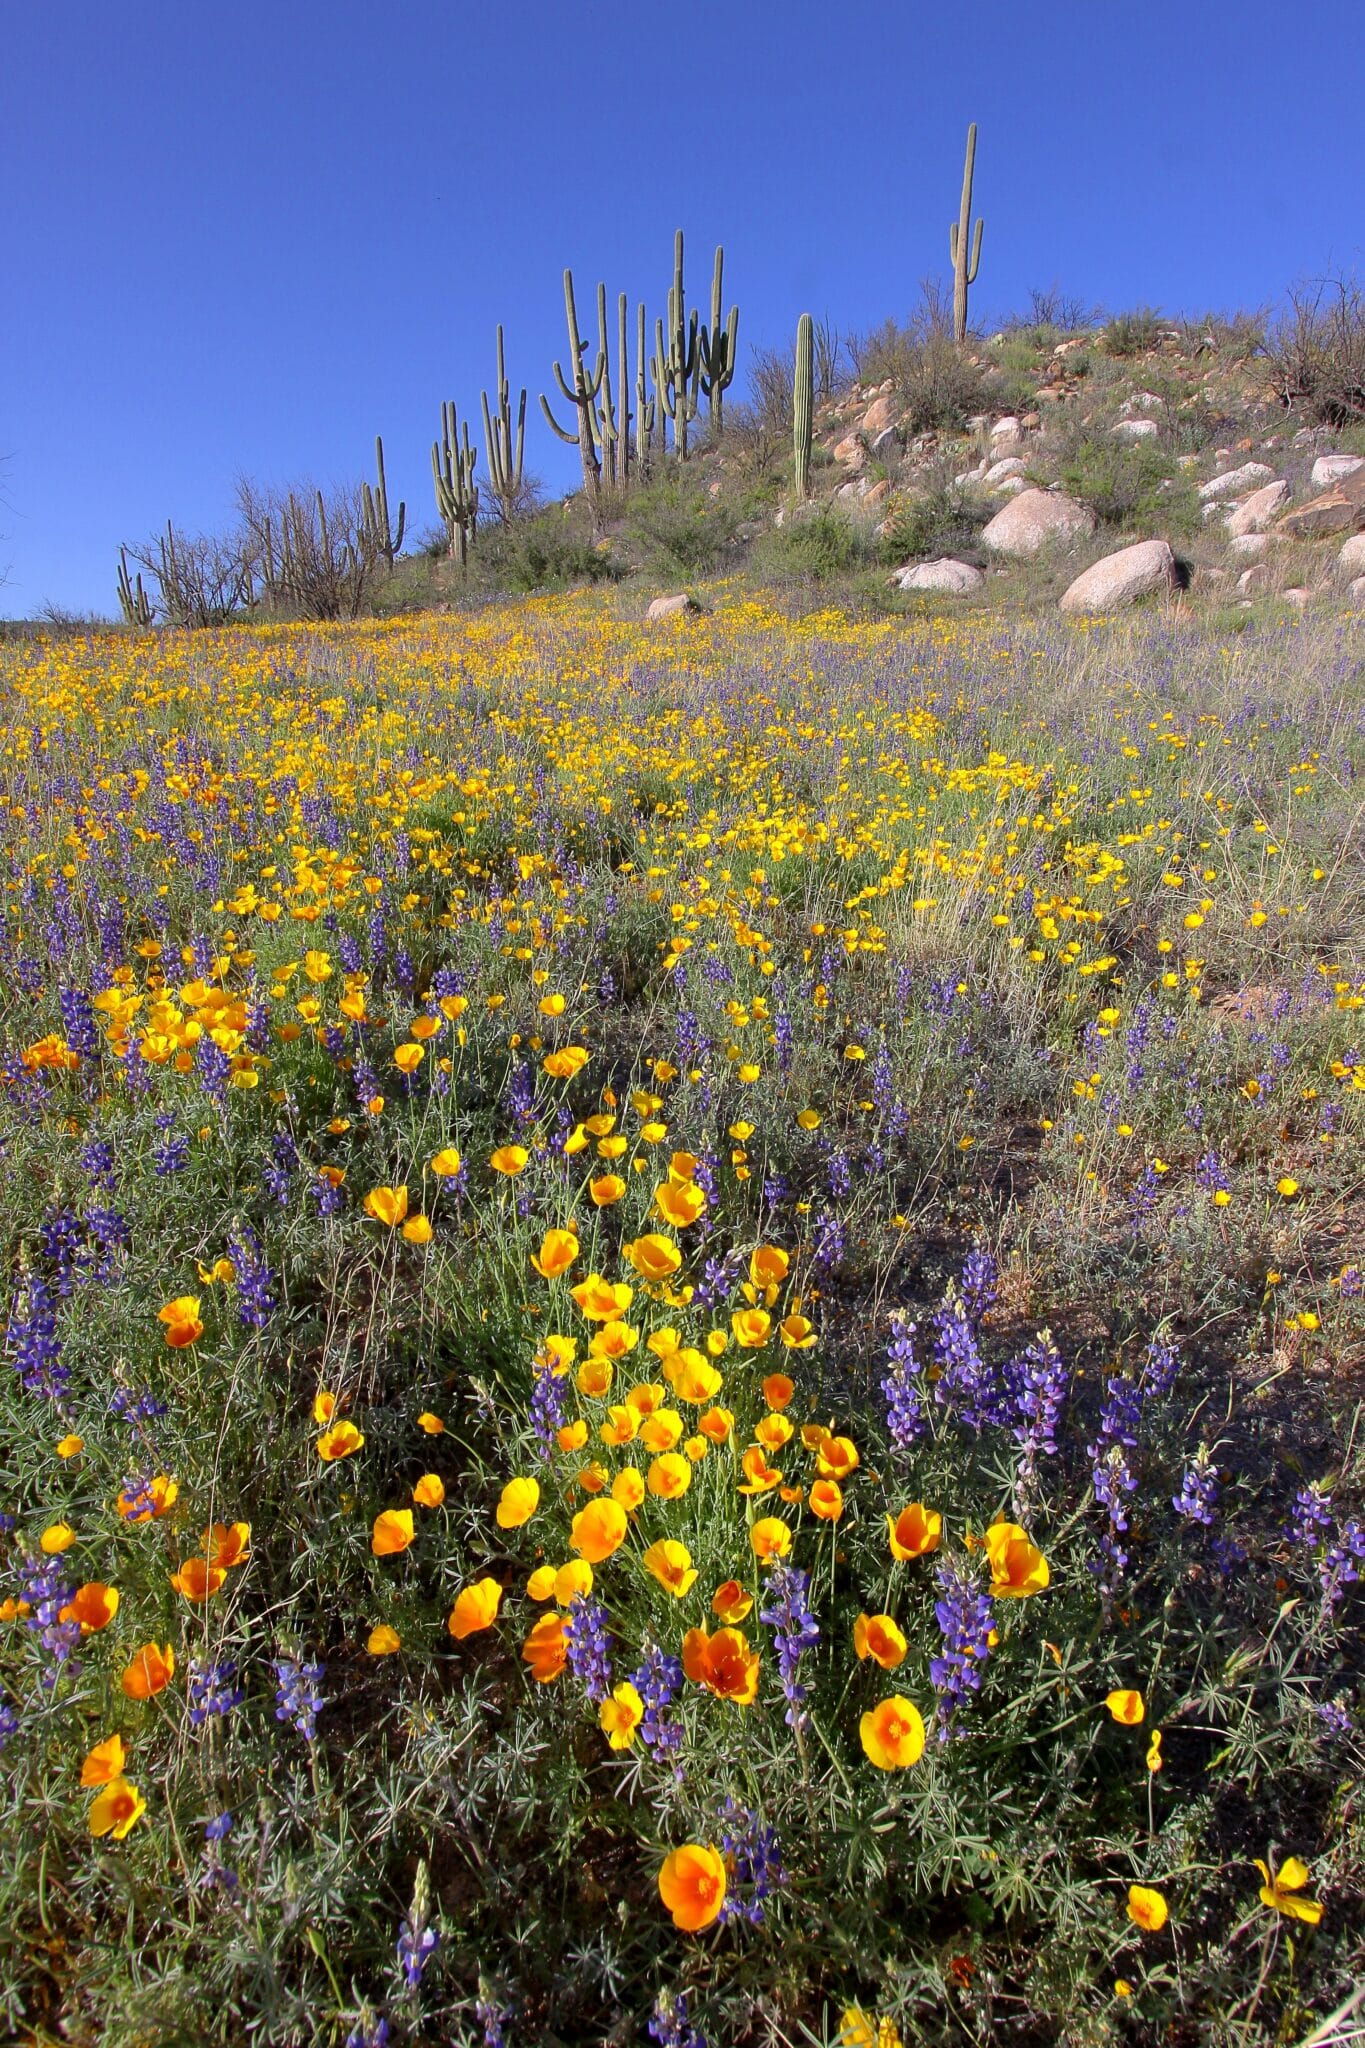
(582, 394)
(719, 343)
(457, 494)
(959, 235)
(375, 530)
(134, 602)
(677, 372)
(645, 407)
(502, 450)
(803, 404)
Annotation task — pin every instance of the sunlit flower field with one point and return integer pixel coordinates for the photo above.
(684, 1318)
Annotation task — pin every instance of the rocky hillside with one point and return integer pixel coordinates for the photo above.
(1100, 474)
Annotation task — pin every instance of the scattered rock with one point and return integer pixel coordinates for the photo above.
(1139, 401)
(1329, 469)
(1006, 431)
(1311, 437)
(1235, 483)
(1297, 596)
(1136, 430)
(1338, 510)
(1352, 556)
(1030, 422)
(1009, 487)
(880, 415)
(851, 452)
(1008, 465)
(877, 494)
(1035, 520)
(1254, 514)
(959, 579)
(1357, 590)
(1121, 578)
(672, 607)
(1249, 546)
(1257, 577)
(884, 442)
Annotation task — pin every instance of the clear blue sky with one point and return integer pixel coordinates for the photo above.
(246, 237)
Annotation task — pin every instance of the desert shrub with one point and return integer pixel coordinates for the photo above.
(771, 371)
(940, 385)
(1132, 334)
(1316, 350)
(812, 548)
(942, 517)
(1124, 482)
(547, 550)
(679, 528)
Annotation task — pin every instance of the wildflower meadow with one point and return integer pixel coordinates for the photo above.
(684, 1324)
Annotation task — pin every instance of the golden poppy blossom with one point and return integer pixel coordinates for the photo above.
(1126, 1706)
(827, 1500)
(476, 1608)
(387, 1206)
(770, 1538)
(671, 1564)
(653, 1256)
(150, 1672)
(181, 1317)
(104, 1763)
(445, 1164)
(148, 1503)
(198, 1580)
(558, 1250)
(731, 1602)
(1280, 1889)
(429, 1491)
(679, 1202)
(620, 1715)
(759, 1475)
(915, 1532)
(392, 1532)
(57, 1537)
(598, 1530)
(752, 1328)
(692, 1885)
(116, 1809)
(602, 1301)
(836, 1457)
(892, 1734)
(723, 1663)
(382, 1641)
(877, 1636)
(1017, 1567)
(1147, 1908)
(546, 1649)
(670, 1475)
(341, 1441)
(605, 1190)
(431, 1425)
(509, 1160)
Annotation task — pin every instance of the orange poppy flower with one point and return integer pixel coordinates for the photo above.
(692, 1886)
(546, 1649)
(723, 1663)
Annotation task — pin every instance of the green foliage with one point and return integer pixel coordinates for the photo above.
(1133, 334)
(941, 517)
(546, 551)
(1131, 482)
(680, 527)
(813, 547)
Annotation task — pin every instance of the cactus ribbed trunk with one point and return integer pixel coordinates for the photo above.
(803, 404)
(960, 241)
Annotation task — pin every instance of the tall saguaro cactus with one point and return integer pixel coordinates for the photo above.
(457, 494)
(133, 600)
(959, 236)
(719, 343)
(677, 371)
(645, 406)
(376, 532)
(582, 394)
(503, 451)
(803, 404)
